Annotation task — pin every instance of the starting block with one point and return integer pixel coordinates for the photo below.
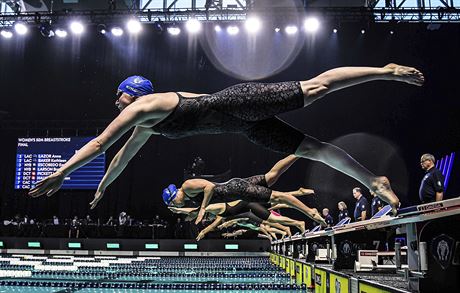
(374, 260)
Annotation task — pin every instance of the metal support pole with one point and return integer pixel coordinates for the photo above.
(334, 249)
(412, 255)
(398, 255)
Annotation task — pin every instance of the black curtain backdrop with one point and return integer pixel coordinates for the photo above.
(52, 79)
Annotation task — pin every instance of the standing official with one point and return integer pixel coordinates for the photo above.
(362, 205)
(432, 185)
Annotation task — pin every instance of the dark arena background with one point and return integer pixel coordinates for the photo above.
(56, 86)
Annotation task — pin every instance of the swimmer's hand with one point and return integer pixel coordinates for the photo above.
(97, 197)
(224, 225)
(200, 215)
(48, 186)
(176, 210)
(200, 236)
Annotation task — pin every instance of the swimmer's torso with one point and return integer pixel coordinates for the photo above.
(232, 110)
(198, 115)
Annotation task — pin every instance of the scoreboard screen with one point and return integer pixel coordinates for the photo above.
(39, 157)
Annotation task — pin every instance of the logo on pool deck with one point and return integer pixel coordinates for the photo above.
(337, 285)
(430, 207)
(441, 249)
(345, 247)
(318, 279)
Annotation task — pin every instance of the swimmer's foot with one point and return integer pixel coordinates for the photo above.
(301, 226)
(381, 186)
(406, 74)
(306, 191)
(288, 231)
(302, 191)
(315, 216)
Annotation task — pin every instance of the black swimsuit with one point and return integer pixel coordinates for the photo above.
(238, 188)
(251, 189)
(252, 219)
(243, 207)
(248, 108)
(234, 210)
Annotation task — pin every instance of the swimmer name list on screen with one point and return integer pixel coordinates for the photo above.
(39, 157)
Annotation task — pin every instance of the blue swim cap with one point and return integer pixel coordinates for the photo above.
(169, 194)
(136, 86)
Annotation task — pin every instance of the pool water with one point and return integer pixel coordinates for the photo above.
(39, 273)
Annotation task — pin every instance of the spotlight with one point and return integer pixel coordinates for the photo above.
(158, 26)
(193, 25)
(61, 33)
(252, 24)
(77, 27)
(7, 34)
(311, 24)
(392, 32)
(102, 28)
(363, 31)
(291, 29)
(20, 28)
(174, 30)
(134, 26)
(116, 31)
(232, 30)
(335, 31)
(46, 30)
(217, 28)
(277, 29)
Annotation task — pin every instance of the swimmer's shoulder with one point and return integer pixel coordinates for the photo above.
(191, 95)
(156, 107)
(159, 103)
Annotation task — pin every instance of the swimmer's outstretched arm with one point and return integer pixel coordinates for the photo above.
(128, 118)
(194, 186)
(235, 233)
(138, 138)
(184, 211)
(230, 223)
(211, 227)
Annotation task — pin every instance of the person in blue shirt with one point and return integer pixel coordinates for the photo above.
(432, 185)
(328, 218)
(362, 205)
(343, 210)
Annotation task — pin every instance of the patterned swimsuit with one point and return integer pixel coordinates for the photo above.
(249, 109)
(251, 189)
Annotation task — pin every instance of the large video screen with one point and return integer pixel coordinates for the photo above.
(39, 157)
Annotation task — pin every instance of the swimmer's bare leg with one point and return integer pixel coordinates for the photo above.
(293, 202)
(339, 78)
(286, 221)
(335, 157)
(343, 77)
(278, 169)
